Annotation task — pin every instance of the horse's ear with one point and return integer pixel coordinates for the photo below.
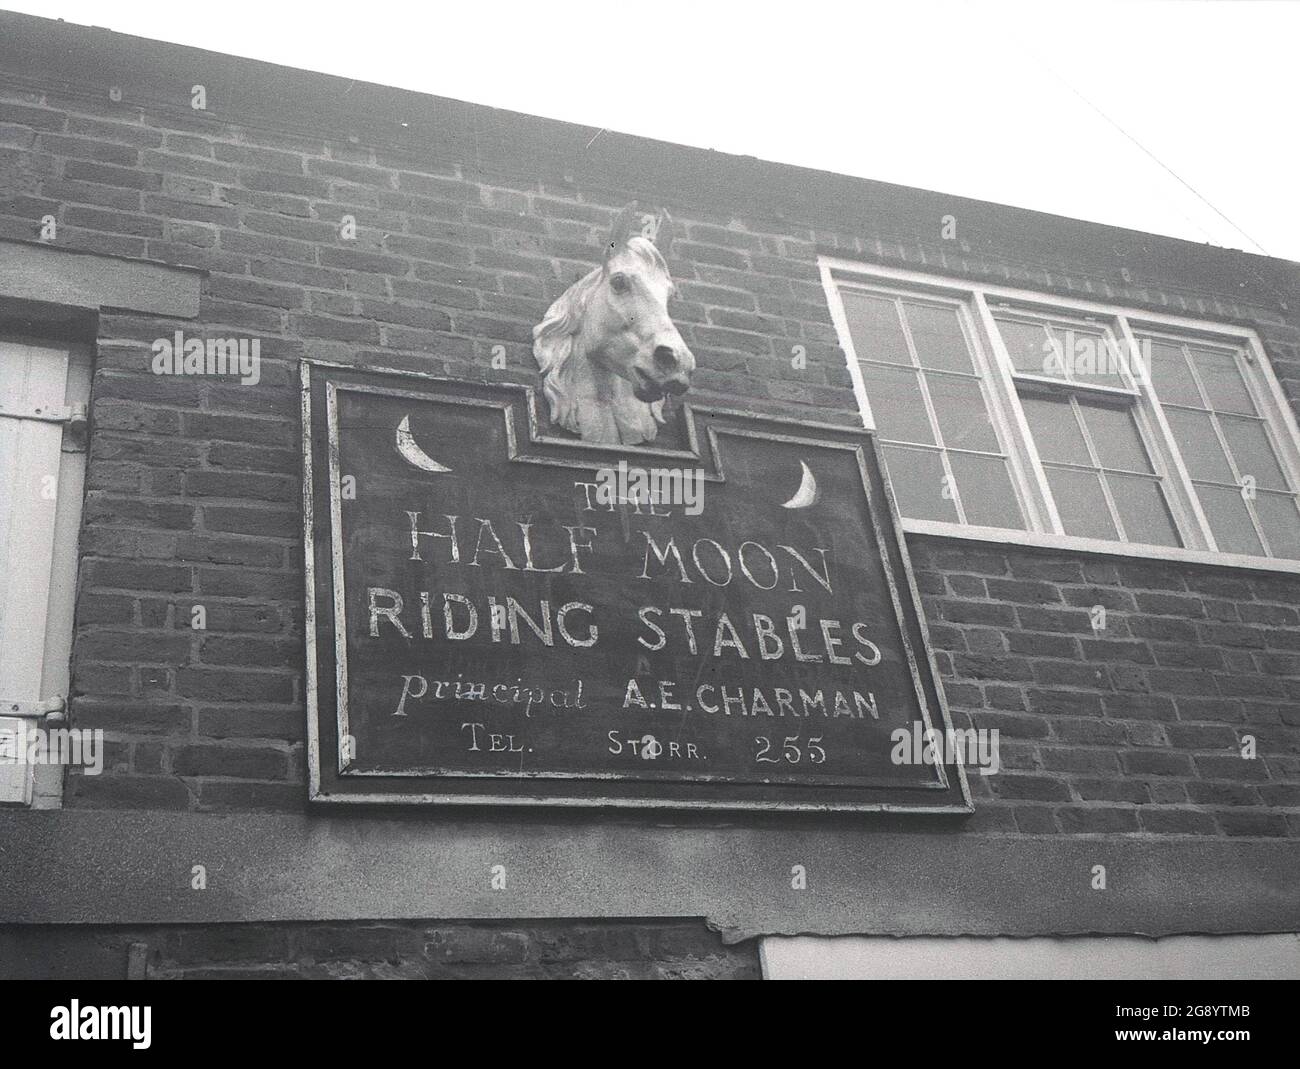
(626, 223)
(663, 238)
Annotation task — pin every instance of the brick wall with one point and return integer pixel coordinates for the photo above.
(559, 950)
(1133, 727)
(192, 489)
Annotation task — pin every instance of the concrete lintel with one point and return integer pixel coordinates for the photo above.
(86, 280)
(114, 867)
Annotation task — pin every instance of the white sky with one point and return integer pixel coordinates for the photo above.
(977, 99)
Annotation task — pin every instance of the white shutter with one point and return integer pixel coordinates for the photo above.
(33, 384)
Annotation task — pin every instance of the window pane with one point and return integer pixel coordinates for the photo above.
(986, 494)
(1252, 452)
(1142, 510)
(917, 477)
(937, 335)
(1056, 432)
(963, 414)
(895, 397)
(1223, 382)
(1087, 356)
(1281, 522)
(1229, 520)
(1028, 345)
(1170, 374)
(1202, 453)
(1081, 503)
(876, 330)
(1115, 436)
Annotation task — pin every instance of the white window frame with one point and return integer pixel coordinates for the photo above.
(978, 302)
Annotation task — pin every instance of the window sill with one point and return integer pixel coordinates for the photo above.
(1099, 547)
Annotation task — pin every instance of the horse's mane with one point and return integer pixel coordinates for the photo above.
(554, 337)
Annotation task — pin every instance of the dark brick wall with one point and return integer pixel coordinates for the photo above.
(553, 950)
(1133, 727)
(192, 490)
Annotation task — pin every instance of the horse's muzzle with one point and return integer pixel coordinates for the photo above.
(647, 387)
(672, 373)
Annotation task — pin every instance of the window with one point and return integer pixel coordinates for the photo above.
(1012, 416)
(925, 380)
(43, 389)
(1226, 445)
(1099, 472)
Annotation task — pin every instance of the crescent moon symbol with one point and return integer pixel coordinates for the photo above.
(411, 452)
(807, 492)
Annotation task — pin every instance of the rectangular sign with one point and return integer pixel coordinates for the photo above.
(499, 616)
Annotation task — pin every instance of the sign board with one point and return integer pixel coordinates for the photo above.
(495, 615)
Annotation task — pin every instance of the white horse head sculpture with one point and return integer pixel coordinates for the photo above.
(607, 349)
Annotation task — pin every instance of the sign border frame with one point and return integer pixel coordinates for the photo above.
(950, 776)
